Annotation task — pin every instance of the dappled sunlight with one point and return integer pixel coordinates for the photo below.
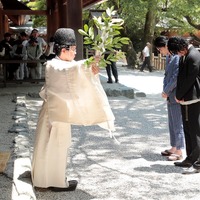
(146, 113)
(22, 179)
(149, 83)
(147, 86)
(95, 157)
(138, 130)
(135, 129)
(102, 166)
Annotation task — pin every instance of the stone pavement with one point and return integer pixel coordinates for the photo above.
(105, 170)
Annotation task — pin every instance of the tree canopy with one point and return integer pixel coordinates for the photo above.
(145, 19)
(38, 5)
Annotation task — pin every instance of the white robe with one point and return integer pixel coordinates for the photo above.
(72, 95)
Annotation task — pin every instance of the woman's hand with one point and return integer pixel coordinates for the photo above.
(164, 95)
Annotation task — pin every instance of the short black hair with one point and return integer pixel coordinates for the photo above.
(51, 39)
(7, 34)
(34, 30)
(177, 44)
(23, 34)
(160, 41)
(58, 48)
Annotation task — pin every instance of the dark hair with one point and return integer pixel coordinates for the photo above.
(17, 42)
(7, 35)
(32, 39)
(64, 38)
(34, 30)
(51, 39)
(177, 44)
(57, 48)
(160, 41)
(23, 34)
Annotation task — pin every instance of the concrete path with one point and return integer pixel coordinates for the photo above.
(105, 170)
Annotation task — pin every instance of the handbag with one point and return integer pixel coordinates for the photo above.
(33, 65)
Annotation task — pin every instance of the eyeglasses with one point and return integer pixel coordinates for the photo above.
(72, 49)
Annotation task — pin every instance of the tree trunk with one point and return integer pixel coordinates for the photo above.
(130, 55)
(150, 21)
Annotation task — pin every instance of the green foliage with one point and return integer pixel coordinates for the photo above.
(108, 38)
(177, 13)
(180, 15)
(40, 21)
(170, 15)
(38, 5)
(133, 12)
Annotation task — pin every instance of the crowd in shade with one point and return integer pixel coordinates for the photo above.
(25, 47)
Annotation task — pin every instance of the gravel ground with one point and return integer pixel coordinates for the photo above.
(105, 170)
(6, 141)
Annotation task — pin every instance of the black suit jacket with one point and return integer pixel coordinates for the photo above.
(188, 82)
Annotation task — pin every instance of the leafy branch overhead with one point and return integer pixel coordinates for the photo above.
(108, 40)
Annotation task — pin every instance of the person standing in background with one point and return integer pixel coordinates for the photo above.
(43, 46)
(173, 108)
(34, 52)
(23, 70)
(19, 53)
(112, 67)
(50, 54)
(41, 41)
(16, 54)
(8, 43)
(146, 57)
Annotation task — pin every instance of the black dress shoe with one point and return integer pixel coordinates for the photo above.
(184, 163)
(72, 187)
(109, 82)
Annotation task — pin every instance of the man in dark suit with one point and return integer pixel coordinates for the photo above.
(111, 67)
(188, 95)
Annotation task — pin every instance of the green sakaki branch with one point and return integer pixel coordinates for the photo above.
(108, 40)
